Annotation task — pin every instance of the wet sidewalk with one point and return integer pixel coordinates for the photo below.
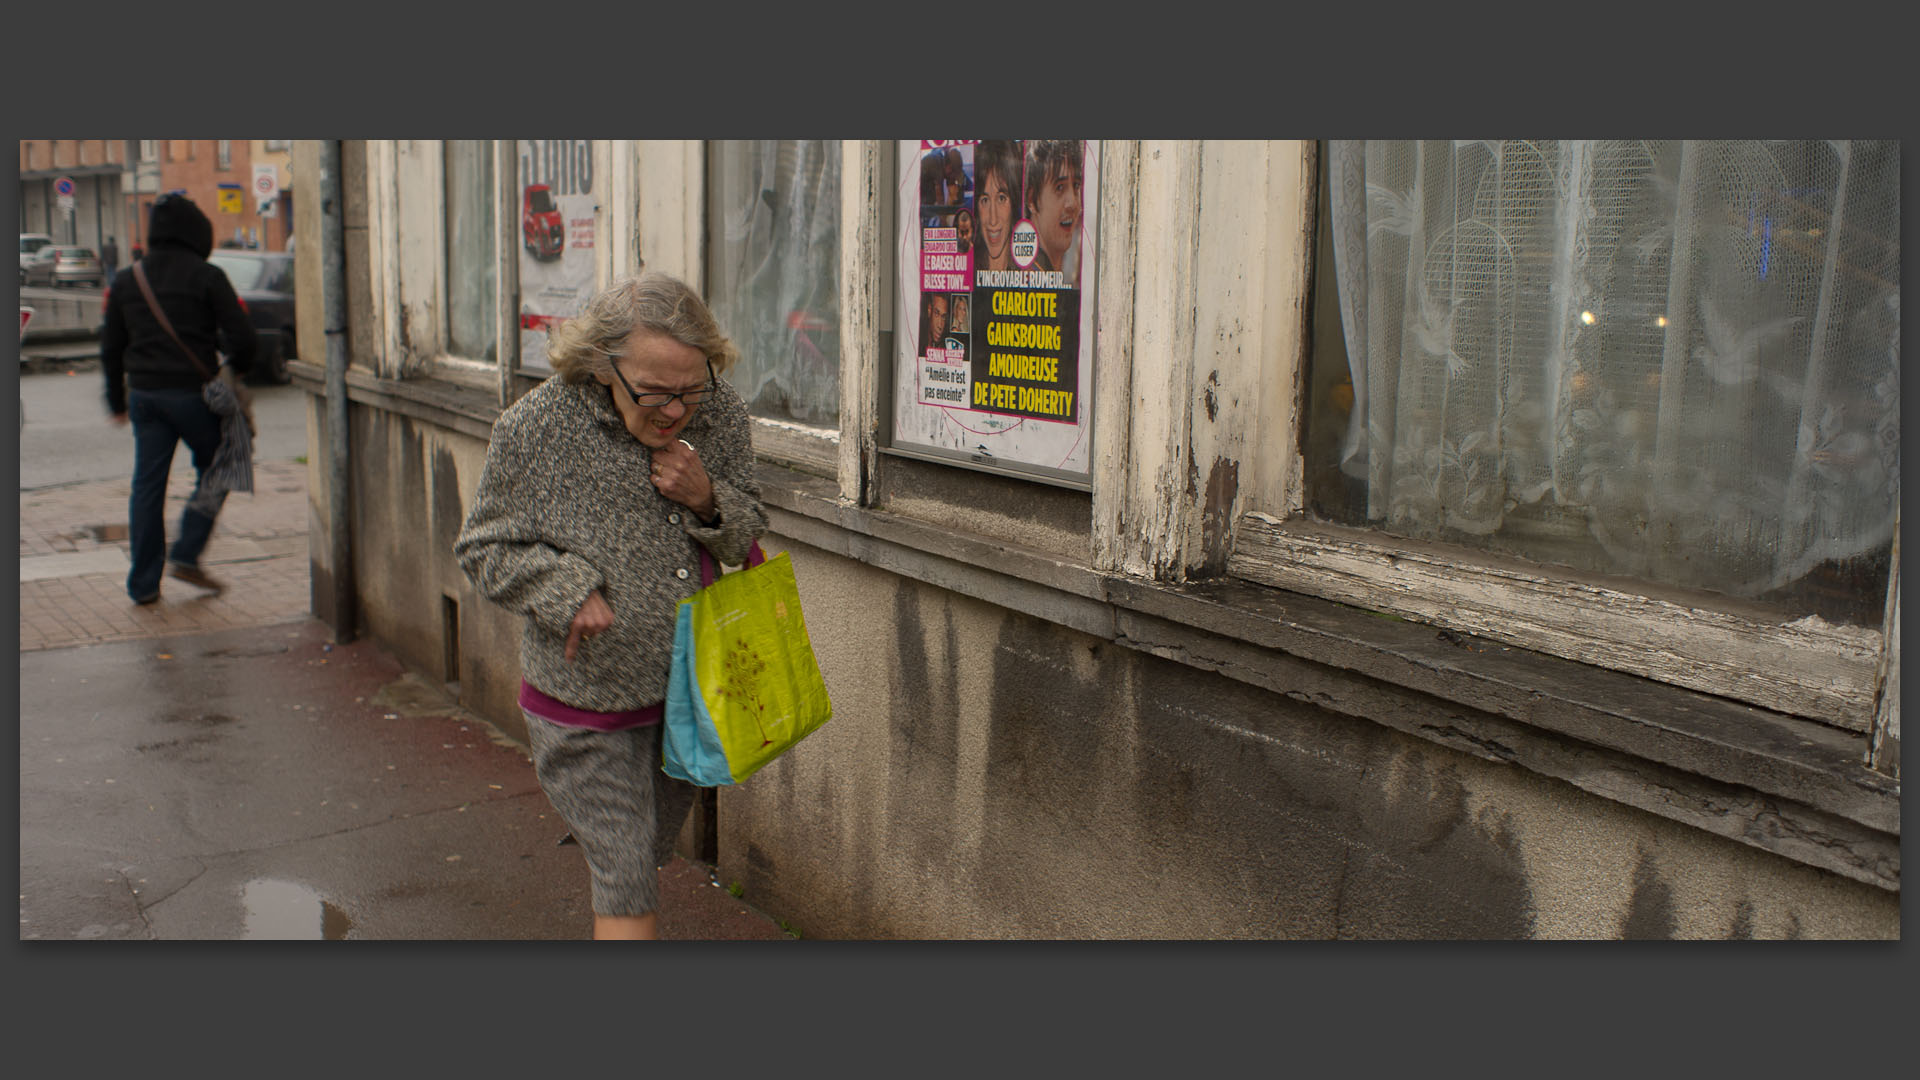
(214, 768)
(73, 562)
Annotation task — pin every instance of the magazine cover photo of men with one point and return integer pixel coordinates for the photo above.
(1055, 171)
(943, 335)
(947, 249)
(943, 178)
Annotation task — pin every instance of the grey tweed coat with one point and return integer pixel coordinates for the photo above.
(566, 506)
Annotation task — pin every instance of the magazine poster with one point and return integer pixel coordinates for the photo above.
(556, 239)
(994, 334)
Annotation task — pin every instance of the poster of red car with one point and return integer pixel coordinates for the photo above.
(557, 239)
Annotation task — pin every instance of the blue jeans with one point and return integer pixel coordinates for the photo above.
(161, 420)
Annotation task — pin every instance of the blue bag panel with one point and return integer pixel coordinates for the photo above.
(689, 746)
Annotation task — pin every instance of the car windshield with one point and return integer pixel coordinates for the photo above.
(31, 244)
(246, 273)
(540, 201)
(75, 253)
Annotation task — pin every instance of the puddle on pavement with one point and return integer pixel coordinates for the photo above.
(285, 911)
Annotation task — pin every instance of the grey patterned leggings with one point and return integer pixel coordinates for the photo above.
(622, 809)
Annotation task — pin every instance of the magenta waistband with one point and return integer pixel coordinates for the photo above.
(566, 715)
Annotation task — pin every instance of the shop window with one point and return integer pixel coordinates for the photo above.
(472, 270)
(1673, 361)
(774, 273)
(1669, 367)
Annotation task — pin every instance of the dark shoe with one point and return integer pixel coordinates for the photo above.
(193, 575)
(143, 601)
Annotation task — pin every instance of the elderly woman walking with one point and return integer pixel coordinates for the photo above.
(601, 486)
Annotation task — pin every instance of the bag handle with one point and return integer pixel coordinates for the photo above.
(710, 569)
(146, 290)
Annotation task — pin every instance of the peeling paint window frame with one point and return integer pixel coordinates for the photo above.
(410, 300)
(1671, 636)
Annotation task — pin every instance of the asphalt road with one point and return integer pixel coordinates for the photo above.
(65, 436)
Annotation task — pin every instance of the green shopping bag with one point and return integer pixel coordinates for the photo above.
(744, 686)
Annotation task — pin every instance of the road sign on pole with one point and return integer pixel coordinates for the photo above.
(266, 182)
(63, 187)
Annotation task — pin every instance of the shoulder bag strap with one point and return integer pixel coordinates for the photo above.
(146, 290)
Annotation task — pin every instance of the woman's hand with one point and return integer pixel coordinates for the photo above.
(680, 476)
(593, 617)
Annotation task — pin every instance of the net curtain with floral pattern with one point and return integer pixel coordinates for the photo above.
(1672, 360)
(775, 278)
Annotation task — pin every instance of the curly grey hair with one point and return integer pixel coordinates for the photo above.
(585, 345)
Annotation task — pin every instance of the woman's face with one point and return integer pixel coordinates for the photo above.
(654, 363)
(995, 205)
(1056, 212)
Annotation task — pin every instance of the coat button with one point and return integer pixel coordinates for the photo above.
(673, 519)
(681, 573)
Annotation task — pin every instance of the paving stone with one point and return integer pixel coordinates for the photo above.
(74, 560)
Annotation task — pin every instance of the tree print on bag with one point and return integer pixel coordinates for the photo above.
(740, 681)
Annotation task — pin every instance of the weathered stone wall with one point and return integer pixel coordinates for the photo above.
(991, 775)
(412, 483)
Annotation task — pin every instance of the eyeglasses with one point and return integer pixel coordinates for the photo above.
(659, 398)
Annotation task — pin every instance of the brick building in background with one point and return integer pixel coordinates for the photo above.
(116, 180)
(96, 167)
(217, 174)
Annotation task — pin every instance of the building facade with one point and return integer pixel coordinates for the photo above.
(1214, 539)
(96, 167)
(217, 174)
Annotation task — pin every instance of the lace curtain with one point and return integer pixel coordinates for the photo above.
(775, 280)
(470, 256)
(1672, 360)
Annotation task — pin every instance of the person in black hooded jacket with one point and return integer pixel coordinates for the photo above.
(153, 385)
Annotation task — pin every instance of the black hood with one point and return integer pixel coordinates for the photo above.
(177, 223)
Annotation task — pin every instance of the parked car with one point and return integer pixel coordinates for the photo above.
(264, 282)
(62, 264)
(31, 242)
(541, 225)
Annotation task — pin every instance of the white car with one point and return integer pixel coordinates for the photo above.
(31, 242)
